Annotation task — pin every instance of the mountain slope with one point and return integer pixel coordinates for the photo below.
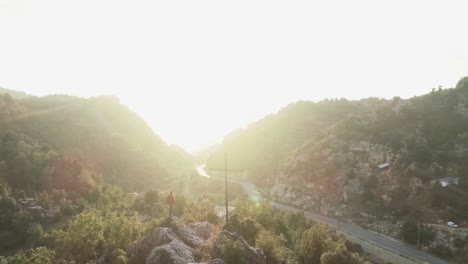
(99, 133)
(324, 156)
(13, 93)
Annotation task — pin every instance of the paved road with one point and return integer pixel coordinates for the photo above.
(377, 239)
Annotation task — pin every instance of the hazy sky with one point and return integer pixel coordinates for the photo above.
(195, 70)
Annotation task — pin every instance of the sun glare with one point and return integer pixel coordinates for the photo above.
(198, 72)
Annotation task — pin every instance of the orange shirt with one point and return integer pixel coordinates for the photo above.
(170, 199)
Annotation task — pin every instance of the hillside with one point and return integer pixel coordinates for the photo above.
(97, 134)
(325, 156)
(63, 156)
(13, 93)
(68, 171)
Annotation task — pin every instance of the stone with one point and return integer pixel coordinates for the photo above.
(174, 253)
(196, 234)
(252, 255)
(161, 246)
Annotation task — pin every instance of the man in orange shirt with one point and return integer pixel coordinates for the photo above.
(170, 202)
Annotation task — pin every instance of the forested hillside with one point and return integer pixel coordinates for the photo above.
(63, 157)
(325, 156)
(69, 169)
(43, 136)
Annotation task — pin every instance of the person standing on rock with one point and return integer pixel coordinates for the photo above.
(170, 202)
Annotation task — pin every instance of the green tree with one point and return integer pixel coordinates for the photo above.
(272, 245)
(442, 251)
(40, 255)
(119, 232)
(244, 226)
(320, 244)
(340, 255)
(409, 232)
(81, 239)
(314, 243)
(35, 233)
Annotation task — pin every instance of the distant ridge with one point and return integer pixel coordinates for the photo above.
(14, 94)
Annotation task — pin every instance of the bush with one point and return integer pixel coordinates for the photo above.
(247, 228)
(409, 233)
(459, 242)
(35, 234)
(119, 232)
(151, 197)
(320, 244)
(179, 205)
(340, 255)
(40, 255)
(354, 247)
(233, 252)
(312, 244)
(272, 245)
(442, 251)
(80, 241)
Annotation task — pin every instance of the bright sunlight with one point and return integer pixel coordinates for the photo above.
(202, 69)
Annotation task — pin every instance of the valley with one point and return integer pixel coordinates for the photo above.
(377, 172)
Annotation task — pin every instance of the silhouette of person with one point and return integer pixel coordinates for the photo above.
(170, 202)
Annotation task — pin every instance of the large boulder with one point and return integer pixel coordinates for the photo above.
(174, 253)
(196, 234)
(161, 246)
(252, 255)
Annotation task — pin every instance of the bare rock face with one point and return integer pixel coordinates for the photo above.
(161, 246)
(164, 245)
(252, 255)
(176, 253)
(297, 197)
(196, 234)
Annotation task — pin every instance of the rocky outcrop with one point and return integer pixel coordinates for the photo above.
(446, 238)
(388, 228)
(179, 246)
(161, 246)
(343, 167)
(294, 196)
(252, 255)
(196, 234)
(175, 253)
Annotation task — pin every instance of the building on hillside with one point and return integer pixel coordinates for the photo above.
(444, 182)
(383, 165)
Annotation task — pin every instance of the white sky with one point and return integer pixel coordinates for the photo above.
(196, 70)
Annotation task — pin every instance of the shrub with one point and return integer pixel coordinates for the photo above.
(272, 245)
(233, 252)
(442, 251)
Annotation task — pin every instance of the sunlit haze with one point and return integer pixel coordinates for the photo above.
(196, 70)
